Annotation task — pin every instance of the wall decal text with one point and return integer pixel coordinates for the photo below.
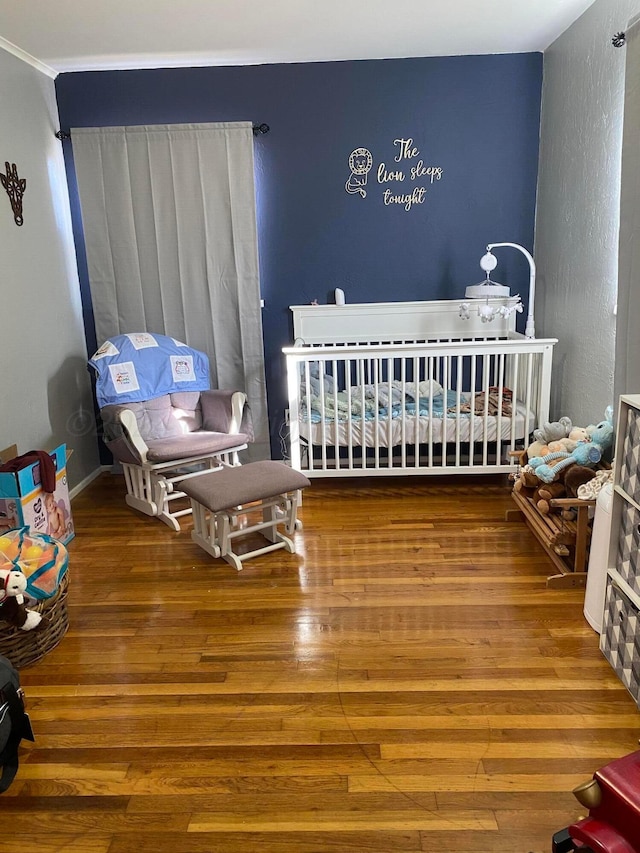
(407, 167)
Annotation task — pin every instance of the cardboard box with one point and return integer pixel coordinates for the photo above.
(23, 502)
(8, 453)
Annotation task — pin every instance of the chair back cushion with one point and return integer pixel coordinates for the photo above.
(187, 410)
(159, 418)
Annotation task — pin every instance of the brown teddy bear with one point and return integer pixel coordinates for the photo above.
(547, 492)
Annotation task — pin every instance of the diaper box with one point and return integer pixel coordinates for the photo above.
(24, 503)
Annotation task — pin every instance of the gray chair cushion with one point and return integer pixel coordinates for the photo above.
(192, 444)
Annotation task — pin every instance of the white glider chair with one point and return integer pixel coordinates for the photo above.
(171, 436)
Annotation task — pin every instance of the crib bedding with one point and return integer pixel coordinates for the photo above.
(411, 425)
(370, 403)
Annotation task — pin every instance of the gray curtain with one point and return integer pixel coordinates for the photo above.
(170, 228)
(627, 365)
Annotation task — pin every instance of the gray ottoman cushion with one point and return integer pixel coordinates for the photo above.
(243, 484)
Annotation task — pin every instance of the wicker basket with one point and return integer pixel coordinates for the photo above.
(25, 647)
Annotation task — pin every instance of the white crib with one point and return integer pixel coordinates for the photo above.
(412, 388)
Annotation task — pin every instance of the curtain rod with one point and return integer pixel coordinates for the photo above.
(258, 129)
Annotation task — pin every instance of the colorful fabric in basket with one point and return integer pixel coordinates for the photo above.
(41, 558)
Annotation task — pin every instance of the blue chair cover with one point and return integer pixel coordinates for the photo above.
(136, 367)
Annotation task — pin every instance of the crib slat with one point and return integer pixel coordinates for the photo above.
(512, 379)
(389, 421)
(321, 396)
(418, 373)
(472, 412)
(435, 373)
(486, 363)
(403, 415)
(336, 417)
(293, 389)
(529, 394)
(376, 441)
(459, 370)
(500, 384)
(446, 384)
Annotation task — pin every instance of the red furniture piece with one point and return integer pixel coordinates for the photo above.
(613, 799)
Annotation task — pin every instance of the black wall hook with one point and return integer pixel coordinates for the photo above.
(619, 39)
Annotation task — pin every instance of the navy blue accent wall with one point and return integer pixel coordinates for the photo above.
(475, 118)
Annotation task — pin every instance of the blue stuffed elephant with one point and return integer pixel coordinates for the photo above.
(587, 453)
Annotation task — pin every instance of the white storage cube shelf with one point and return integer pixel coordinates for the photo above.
(620, 637)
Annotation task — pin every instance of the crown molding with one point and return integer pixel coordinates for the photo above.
(26, 57)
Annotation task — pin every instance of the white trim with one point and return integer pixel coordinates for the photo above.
(632, 22)
(75, 491)
(26, 57)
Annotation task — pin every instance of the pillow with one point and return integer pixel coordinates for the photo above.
(429, 387)
(314, 380)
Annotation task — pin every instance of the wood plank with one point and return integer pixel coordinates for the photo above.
(348, 820)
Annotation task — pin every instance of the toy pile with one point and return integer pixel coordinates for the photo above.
(565, 461)
(31, 568)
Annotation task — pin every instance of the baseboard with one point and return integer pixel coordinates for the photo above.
(87, 480)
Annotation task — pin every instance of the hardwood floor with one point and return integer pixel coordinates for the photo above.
(405, 682)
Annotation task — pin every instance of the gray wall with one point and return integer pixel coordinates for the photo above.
(577, 218)
(46, 394)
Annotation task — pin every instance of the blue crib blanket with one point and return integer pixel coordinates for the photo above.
(136, 367)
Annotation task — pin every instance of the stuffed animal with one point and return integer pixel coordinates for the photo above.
(590, 490)
(12, 608)
(565, 444)
(564, 486)
(587, 453)
(553, 445)
(538, 448)
(13, 583)
(568, 484)
(553, 431)
(577, 434)
(524, 479)
(546, 492)
(576, 476)
(569, 442)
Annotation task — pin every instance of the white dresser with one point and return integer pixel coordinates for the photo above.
(620, 638)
